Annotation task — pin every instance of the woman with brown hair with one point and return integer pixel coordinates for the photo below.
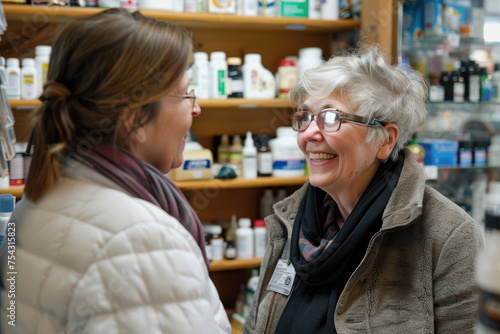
(105, 243)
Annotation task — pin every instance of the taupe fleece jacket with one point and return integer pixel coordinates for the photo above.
(417, 276)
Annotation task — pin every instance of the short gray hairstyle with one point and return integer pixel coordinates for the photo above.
(372, 87)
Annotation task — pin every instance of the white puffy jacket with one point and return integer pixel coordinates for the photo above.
(89, 258)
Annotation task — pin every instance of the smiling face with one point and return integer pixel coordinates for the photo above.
(340, 162)
(161, 141)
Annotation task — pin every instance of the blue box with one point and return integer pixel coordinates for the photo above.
(440, 152)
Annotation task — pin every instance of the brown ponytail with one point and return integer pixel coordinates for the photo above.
(103, 69)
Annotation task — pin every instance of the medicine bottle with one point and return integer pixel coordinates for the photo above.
(236, 154)
(249, 158)
(245, 239)
(267, 201)
(260, 231)
(235, 77)
(42, 58)
(288, 159)
(223, 150)
(495, 83)
(217, 243)
(488, 269)
(13, 78)
(264, 156)
(288, 76)
(218, 75)
(309, 58)
(200, 75)
(28, 78)
(494, 152)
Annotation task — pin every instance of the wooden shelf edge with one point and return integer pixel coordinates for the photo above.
(204, 103)
(55, 13)
(242, 183)
(235, 264)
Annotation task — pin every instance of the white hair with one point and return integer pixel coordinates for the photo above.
(373, 88)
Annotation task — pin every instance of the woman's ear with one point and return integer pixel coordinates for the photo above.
(137, 135)
(388, 145)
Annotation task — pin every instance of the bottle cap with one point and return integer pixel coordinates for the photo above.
(287, 62)
(249, 140)
(200, 56)
(234, 61)
(236, 140)
(224, 140)
(245, 222)
(43, 50)
(253, 58)
(7, 203)
(259, 223)
(218, 55)
(28, 62)
(14, 62)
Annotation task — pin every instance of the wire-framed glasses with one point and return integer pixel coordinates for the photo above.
(191, 95)
(328, 120)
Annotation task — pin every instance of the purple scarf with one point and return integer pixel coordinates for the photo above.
(144, 181)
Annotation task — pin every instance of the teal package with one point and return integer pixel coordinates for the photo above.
(413, 21)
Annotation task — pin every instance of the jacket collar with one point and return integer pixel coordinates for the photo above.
(404, 206)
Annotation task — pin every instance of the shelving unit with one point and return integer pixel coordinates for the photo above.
(273, 38)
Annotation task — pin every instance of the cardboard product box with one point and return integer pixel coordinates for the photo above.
(440, 152)
(197, 165)
(294, 8)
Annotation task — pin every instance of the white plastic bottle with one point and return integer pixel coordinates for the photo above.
(258, 82)
(488, 270)
(218, 75)
(42, 58)
(252, 284)
(260, 231)
(28, 78)
(7, 202)
(288, 159)
(309, 58)
(494, 152)
(250, 7)
(249, 158)
(330, 9)
(200, 78)
(244, 239)
(13, 79)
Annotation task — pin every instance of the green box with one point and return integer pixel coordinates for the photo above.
(294, 8)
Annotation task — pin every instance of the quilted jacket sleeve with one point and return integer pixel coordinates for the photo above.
(455, 289)
(149, 278)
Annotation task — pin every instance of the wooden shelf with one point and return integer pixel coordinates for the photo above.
(204, 103)
(193, 20)
(17, 191)
(235, 264)
(242, 183)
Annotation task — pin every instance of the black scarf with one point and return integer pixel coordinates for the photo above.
(318, 284)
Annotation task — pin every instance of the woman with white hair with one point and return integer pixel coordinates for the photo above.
(365, 245)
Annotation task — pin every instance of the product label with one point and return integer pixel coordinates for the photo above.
(45, 69)
(458, 92)
(480, 156)
(489, 310)
(265, 162)
(289, 165)
(221, 82)
(28, 79)
(196, 164)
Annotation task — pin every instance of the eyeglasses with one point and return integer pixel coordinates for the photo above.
(191, 96)
(328, 120)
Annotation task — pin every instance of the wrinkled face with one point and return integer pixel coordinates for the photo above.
(161, 141)
(338, 161)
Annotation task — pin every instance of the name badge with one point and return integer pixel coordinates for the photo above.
(282, 279)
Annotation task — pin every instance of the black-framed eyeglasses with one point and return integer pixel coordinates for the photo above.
(328, 120)
(191, 95)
